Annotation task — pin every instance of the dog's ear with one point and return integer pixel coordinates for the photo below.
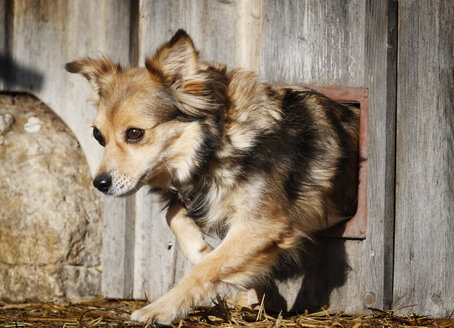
(97, 71)
(199, 89)
(175, 61)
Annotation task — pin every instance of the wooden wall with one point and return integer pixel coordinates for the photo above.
(407, 256)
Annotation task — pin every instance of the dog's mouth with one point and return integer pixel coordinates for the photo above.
(118, 185)
(126, 193)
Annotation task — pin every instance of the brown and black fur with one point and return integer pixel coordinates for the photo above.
(262, 165)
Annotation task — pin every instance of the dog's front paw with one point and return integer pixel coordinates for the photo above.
(160, 312)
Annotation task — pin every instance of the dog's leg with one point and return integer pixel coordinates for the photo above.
(188, 234)
(194, 247)
(247, 253)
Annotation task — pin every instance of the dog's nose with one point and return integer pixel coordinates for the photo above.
(103, 182)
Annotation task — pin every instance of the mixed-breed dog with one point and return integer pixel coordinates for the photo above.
(263, 166)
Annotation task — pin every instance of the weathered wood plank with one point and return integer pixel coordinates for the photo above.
(43, 36)
(3, 27)
(4, 42)
(315, 42)
(155, 249)
(298, 48)
(118, 248)
(159, 262)
(249, 31)
(375, 276)
(211, 24)
(340, 43)
(424, 266)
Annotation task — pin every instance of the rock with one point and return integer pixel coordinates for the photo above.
(29, 283)
(50, 215)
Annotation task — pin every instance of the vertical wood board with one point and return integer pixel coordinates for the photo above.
(424, 256)
(159, 262)
(380, 77)
(345, 43)
(155, 249)
(117, 248)
(42, 37)
(5, 11)
(315, 42)
(211, 24)
(47, 34)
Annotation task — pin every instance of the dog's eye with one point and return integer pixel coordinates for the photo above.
(98, 136)
(134, 135)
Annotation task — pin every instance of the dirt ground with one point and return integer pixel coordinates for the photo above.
(114, 313)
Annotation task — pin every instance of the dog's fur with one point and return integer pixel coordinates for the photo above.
(264, 166)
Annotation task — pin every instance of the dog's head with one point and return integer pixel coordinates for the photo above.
(159, 123)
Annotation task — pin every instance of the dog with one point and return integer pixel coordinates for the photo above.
(263, 166)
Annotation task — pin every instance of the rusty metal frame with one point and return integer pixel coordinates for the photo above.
(356, 227)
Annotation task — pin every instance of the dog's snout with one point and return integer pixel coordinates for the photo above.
(103, 182)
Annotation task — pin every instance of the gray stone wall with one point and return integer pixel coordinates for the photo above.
(50, 215)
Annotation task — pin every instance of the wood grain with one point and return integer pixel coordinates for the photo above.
(315, 42)
(118, 248)
(211, 24)
(375, 277)
(155, 249)
(424, 245)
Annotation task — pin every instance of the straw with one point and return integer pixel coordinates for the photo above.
(100, 312)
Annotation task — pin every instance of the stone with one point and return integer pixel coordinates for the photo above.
(50, 214)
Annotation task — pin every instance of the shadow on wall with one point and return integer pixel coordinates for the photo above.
(16, 76)
(322, 264)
